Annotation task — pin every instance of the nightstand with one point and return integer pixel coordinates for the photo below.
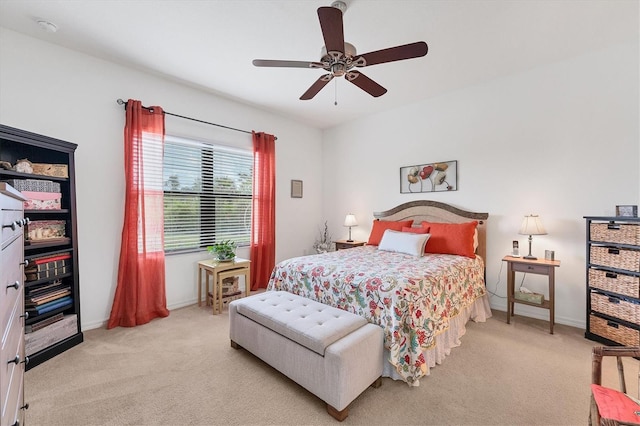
(538, 266)
(344, 244)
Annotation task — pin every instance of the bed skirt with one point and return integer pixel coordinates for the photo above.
(479, 311)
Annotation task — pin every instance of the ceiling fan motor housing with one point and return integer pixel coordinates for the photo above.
(338, 63)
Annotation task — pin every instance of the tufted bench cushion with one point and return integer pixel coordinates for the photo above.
(307, 322)
(334, 354)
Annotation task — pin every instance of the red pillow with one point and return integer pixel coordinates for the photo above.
(451, 238)
(413, 230)
(613, 404)
(379, 226)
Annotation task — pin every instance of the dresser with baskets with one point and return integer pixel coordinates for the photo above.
(613, 280)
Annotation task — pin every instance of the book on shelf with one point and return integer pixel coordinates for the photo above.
(44, 286)
(53, 258)
(30, 328)
(50, 306)
(38, 292)
(49, 297)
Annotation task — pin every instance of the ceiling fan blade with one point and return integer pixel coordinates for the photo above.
(316, 87)
(398, 53)
(365, 83)
(332, 29)
(286, 64)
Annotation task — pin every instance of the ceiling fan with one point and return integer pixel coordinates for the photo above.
(340, 58)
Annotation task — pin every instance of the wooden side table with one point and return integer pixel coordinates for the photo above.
(217, 272)
(344, 244)
(538, 266)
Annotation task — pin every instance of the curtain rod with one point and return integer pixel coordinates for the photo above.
(121, 102)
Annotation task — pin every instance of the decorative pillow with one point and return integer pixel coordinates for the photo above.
(413, 230)
(451, 238)
(475, 239)
(403, 242)
(615, 405)
(379, 226)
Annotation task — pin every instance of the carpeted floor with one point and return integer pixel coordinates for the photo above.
(181, 370)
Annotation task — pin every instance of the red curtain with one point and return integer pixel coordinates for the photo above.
(263, 219)
(140, 294)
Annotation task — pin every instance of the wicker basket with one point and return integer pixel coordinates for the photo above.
(616, 233)
(626, 285)
(613, 331)
(615, 307)
(616, 258)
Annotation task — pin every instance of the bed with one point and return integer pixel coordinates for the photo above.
(422, 302)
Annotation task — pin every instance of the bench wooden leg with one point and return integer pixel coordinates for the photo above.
(377, 383)
(234, 345)
(338, 415)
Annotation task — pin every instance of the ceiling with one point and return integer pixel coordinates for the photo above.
(210, 44)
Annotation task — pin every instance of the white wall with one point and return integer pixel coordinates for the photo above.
(561, 141)
(71, 96)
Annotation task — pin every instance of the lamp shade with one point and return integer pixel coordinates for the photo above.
(350, 220)
(532, 225)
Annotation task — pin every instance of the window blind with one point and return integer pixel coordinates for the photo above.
(207, 194)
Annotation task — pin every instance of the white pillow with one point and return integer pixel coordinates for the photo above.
(403, 242)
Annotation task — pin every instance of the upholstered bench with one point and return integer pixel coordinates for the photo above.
(332, 353)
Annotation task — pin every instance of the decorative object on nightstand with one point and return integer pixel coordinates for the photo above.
(344, 244)
(324, 243)
(532, 225)
(350, 221)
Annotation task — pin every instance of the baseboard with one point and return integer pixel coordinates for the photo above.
(100, 324)
(541, 314)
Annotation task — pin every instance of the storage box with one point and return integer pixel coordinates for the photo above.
(42, 200)
(615, 307)
(229, 285)
(48, 267)
(627, 233)
(615, 258)
(42, 230)
(613, 330)
(47, 336)
(529, 297)
(627, 285)
(57, 170)
(35, 185)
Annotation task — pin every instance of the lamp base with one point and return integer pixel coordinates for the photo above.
(529, 257)
(349, 241)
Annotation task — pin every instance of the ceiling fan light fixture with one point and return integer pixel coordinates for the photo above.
(338, 69)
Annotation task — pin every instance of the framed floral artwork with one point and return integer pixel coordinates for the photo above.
(430, 177)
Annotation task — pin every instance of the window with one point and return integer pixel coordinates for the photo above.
(207, 194)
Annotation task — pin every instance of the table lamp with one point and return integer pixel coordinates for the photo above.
(531, 225)
(350, 220)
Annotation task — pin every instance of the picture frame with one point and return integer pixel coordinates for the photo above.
(627, 210)
(296, 188)
(429, 177)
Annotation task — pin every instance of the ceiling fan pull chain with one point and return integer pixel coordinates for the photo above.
(335, 101)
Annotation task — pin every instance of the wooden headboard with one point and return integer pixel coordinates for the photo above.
(434, 211)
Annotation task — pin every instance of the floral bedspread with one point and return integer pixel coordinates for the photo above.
(411, 298)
